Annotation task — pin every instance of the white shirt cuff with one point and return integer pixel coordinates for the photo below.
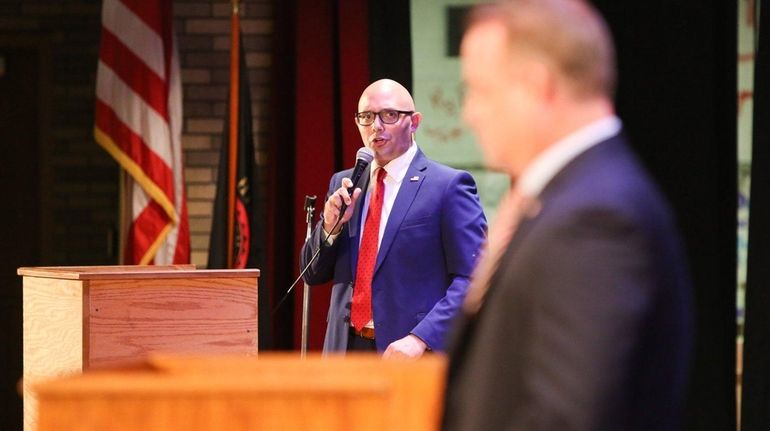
(329, 237)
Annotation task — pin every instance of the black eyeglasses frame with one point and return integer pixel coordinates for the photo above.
(379, 114)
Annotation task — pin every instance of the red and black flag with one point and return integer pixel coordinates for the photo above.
(237, 235)
(237, 198)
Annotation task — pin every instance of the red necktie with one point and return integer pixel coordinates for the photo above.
(361, 312)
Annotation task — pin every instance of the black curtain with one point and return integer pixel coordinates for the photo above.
(677, 98)
(279, 259)
(390, 41)
(756, 365)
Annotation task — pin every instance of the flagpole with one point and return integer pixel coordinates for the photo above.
(233, 127)
(124, 208)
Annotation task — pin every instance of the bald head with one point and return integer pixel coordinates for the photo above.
(391, 90)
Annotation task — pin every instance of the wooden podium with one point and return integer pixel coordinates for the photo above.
(272, 392)
(83, 318)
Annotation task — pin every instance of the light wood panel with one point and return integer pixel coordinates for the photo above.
(273, 392)
(52, 334)
(80, 318)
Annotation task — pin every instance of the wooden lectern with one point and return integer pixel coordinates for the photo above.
(272, 392)
(83, 318)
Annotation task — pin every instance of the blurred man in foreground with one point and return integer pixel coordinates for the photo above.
(578, 316)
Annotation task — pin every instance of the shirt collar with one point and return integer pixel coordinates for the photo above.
(546, 165)
(397, 167)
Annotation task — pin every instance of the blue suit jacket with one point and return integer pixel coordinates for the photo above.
(426, 256)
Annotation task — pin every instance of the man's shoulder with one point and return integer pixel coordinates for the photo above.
(440, 169)
(611, 180)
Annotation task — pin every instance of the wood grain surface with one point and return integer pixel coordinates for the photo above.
(129, 319)
(272, 392)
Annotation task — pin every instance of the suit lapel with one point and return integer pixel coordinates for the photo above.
(354, 224)
(406, 194)
(525, 225)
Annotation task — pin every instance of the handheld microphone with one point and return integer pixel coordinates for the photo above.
(364, 156)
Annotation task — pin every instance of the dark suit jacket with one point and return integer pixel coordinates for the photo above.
(427, 253)
(586, 325)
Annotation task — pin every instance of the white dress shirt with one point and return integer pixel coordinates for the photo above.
(396, 169)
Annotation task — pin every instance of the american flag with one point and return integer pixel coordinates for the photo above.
(138, 121)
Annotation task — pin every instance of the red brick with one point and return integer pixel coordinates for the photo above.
(199, 175)
(197, 108)
(201, 158)
(200, 224)
(208, 26)
(196, 142)
(206, 60)
(192, 9)
(204, 125)
(201, 191)
(259, 59)
(256, 26)
(194, 42)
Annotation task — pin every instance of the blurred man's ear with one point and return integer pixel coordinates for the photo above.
(416, 119)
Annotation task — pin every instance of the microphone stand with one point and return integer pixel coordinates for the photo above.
(306, 268)
(309, 209)
(361, 163)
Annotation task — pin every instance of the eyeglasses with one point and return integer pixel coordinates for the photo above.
(387, 116)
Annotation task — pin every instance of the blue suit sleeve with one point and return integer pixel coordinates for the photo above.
(463, 230)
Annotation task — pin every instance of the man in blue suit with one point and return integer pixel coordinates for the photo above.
(396, 288)
(579, 316)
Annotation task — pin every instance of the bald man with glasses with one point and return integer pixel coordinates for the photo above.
(402, 252)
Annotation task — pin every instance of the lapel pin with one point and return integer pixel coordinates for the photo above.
(414, 178)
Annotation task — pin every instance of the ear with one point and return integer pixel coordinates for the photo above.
(416, 120)
(544, 81)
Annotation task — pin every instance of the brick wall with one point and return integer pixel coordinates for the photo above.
(80, 181)
(203, 29)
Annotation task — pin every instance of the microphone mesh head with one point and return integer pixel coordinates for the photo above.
(365, 154)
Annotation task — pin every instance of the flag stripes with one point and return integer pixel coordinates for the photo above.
(135, 73)
(131, 109)
(149, 13)
(133, 31)
(138, 121)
